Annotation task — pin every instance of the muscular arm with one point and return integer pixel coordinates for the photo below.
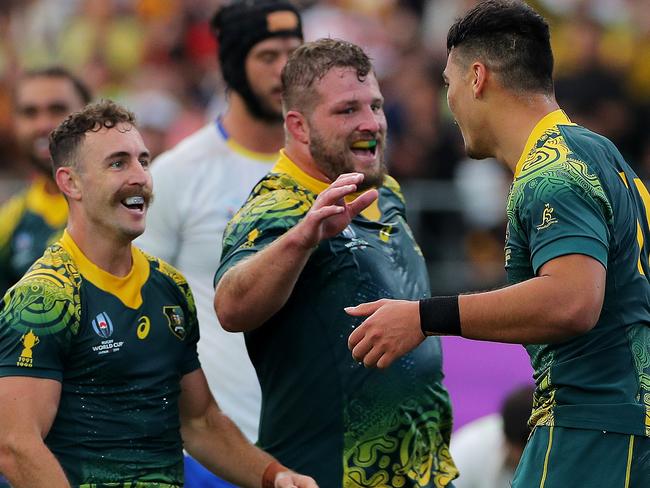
(563, 301)
(27, 410)
(214, 440)
(253, 290)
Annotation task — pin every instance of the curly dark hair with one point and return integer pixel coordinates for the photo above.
(511, 39)
(311, 62)
(66, 138)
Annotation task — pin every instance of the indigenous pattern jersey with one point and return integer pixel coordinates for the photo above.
(323, 414)
(119, 347)
(574, 194)
(200, 184)
(29, 223)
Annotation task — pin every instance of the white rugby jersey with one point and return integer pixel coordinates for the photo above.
(198, 186)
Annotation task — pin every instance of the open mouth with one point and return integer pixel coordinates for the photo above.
(134, 203)
(364, 148)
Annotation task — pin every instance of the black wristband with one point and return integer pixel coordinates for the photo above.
(440, 316)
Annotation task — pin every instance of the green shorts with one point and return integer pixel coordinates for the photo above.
(560, 457)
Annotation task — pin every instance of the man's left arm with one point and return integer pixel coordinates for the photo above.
(214, 440)
(563, 301)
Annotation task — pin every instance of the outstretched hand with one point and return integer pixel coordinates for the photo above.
(330, 214)
(391, 330)
(289, 479)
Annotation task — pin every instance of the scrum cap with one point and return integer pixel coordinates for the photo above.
(241, 25)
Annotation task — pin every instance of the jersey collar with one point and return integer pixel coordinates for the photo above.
(550, 120)
(127, 289)
(287, 166)
(52, 207)
(238, 148)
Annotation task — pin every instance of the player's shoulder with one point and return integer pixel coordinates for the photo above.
(560, 155)
(165, 269)
(393, 187)
(172, 276)
(48, 296)
(277, 194)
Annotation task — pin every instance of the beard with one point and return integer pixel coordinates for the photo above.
(35, 155)
(261, 107)
(335, 157)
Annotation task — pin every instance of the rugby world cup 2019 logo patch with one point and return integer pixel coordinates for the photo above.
(175, 320)
(102, 325)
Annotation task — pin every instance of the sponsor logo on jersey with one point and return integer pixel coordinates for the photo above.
(144, 326)
(547, 217)
(385, 232)
(29, 340)
(102, 325)
(176, 320)
(250, 240)
(109, 345)
(348, 233)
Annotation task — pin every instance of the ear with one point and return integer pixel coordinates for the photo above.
(479, 79)
(297, 126)
(68, 182)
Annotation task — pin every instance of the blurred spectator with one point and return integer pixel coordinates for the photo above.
(31, 220)
(156, 111)
(487, 450)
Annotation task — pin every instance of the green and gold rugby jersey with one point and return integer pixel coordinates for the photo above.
(119, 347)
(574, 194)
(323, 414)
(29, 222)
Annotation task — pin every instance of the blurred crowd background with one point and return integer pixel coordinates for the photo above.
(158, 57)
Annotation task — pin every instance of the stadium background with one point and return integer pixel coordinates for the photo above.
(158, 57)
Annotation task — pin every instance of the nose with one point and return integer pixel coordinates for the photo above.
(139, 175)
(44, 122)
(371, 120)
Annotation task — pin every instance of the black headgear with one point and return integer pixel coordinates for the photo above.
(241, 25)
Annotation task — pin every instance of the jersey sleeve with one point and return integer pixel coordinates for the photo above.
(565, 214)
(39, 317)
(260, 222)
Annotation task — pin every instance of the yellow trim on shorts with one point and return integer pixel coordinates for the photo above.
(548, 454)
(629, 462)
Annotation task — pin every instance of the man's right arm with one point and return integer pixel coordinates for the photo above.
(27, 410)
(256, 288)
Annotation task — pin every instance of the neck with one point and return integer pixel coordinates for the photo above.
(301, 157)
(251, 133)
(111, 256)
(513, 123)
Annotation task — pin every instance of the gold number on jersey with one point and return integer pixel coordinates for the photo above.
(144, 325)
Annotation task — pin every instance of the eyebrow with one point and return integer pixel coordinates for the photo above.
(356, 101)
(121, 154)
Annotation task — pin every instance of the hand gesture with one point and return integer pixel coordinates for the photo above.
(289, 479)
(330, 214)
(391, 330)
